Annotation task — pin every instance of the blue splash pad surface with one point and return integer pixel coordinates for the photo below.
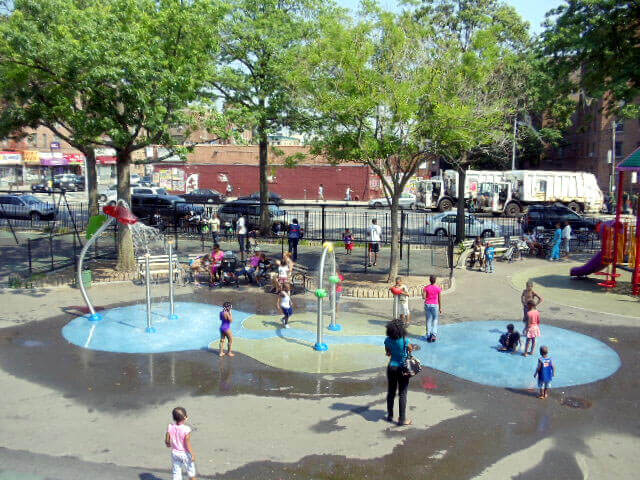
(122, 329)
(467, 350)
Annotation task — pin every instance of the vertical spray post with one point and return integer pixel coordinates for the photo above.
(334, 279)
(172, 314)
(147, 280)
(321, 293)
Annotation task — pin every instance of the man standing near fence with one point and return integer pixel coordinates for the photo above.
(347, 193)
(375, 237)
(241, 232)
(321, 193)
(295, 234)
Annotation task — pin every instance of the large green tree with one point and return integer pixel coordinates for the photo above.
(112, 73)
(595, 43)
(257, 54)
(472, 109)
(365, 81)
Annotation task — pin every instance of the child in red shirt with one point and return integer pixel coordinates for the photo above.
(533, 328)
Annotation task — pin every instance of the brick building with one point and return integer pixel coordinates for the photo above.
(216, 166)
(586, 145)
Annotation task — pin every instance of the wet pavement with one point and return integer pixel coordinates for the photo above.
(255, 421)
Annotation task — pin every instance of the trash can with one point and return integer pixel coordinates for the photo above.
(86, 278)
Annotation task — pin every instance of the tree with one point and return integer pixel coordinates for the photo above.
(113, 73)
(258, 41)
(595, 44)
(365, 82)
(476, 97)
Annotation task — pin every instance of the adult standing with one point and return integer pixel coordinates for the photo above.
(241, 232)
(375, 237)
(321, 193)
(397, 347)
(295, 234)
(229, 190)
(432, 308)
(557, 241)
(566, 238)
(214, 224)
(347, 193)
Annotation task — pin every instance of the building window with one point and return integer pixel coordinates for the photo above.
(618, 149)
(32, 139)
(45, 140)
(619, 126)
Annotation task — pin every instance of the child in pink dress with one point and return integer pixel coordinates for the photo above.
(178, 439)
(533, 328)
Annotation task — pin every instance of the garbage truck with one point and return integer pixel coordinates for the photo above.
(518, 189)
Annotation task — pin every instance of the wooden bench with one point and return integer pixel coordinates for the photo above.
(159, 267)
(498, 244)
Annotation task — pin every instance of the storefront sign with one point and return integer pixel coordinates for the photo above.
(54, 145)
(52, 159)
(31, 157)
(10, 158)
(74, 158)
(106, 156)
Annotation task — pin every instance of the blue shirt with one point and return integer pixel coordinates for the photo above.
(294, 230)
(398, 351)
(546, 369)
(489, 252)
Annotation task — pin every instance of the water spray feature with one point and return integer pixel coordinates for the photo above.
(321, 293)
(145, 240)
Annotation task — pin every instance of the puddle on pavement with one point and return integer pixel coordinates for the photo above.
(574, 402)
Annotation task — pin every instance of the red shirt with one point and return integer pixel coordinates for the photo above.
(533, 317)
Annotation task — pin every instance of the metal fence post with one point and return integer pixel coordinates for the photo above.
(408, 256)
(323, 223)
(51, 250)
(29, 253)
(402, 222)
(175, 227)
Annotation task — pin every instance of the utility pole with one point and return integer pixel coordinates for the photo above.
(513, 146)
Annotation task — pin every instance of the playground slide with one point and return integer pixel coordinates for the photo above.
(594, 265)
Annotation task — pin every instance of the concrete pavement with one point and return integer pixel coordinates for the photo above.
(70, 412)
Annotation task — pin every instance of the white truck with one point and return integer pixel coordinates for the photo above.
(517, 189)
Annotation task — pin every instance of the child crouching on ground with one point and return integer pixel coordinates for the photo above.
(510, 340)
(545, 372)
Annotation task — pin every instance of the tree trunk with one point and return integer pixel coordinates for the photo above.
(395, 237)
(460, 220)
(126, 258)
(265, 220)
(92, 181)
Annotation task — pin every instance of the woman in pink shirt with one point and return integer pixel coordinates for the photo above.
(216, 260)
(432, 308)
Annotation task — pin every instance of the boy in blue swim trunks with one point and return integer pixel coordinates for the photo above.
(545, 372)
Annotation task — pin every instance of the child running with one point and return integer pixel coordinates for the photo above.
(347, 238)
(285, 305)
(545, 372)
(528, 295)
(533, 328)
(225, 329)
(178, 439)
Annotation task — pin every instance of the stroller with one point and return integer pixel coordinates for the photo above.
(515, 250)
(229, 270)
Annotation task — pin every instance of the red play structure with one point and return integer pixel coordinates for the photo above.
(620, 240)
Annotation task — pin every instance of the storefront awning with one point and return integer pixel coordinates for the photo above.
(10, 158)
(31, 157)
(52, 159)
(74, 158)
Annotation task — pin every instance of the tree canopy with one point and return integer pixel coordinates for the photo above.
(595, 44)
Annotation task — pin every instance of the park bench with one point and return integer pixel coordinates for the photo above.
(159, 267)
(498, 243)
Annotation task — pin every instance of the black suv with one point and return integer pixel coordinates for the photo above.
(145, 206)
(230, 212)
(204, 195)
(547, 216)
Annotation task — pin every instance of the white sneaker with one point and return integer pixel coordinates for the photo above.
(286, 325)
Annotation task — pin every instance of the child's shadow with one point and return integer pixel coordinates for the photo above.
(149, 476)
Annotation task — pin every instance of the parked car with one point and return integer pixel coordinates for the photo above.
(547, 216)
(26, 207)
(204, 195)
(444, 224)
(255, 197)
(407, 200)
(169, 206)
(67, 181)
(110, 196)
(230, 212)
(41, 187)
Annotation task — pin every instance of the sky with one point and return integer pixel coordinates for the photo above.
(531, 10)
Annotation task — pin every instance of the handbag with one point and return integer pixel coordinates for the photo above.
(412, 365)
